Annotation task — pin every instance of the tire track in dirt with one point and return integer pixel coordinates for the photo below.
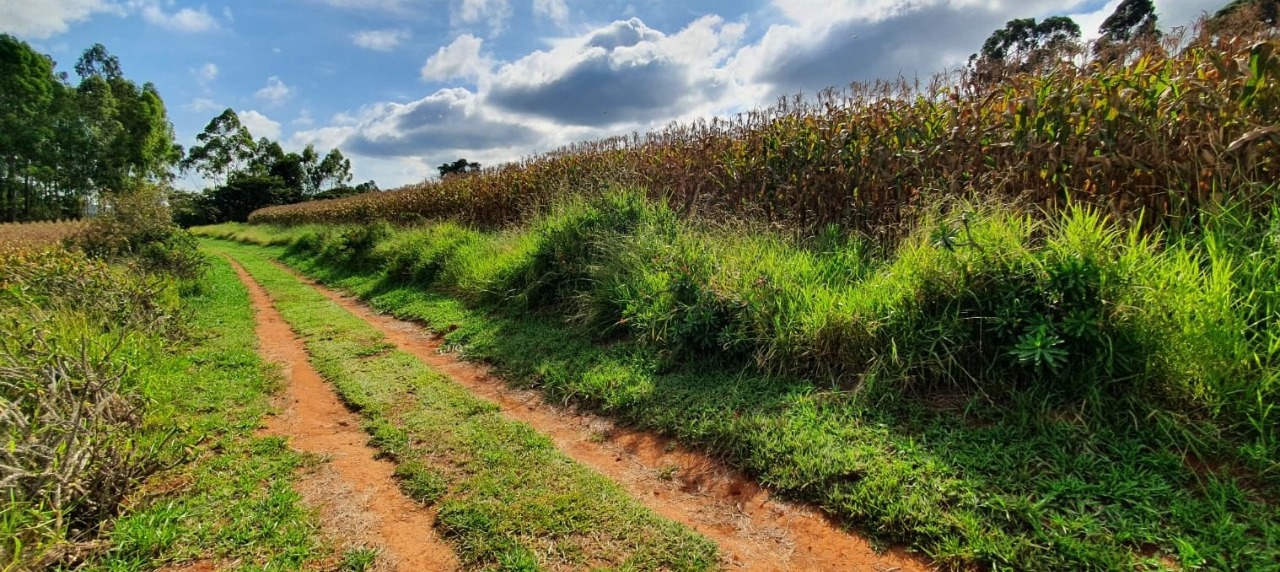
(755, 531)
(360, 503)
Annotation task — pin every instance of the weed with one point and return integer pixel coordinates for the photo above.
(358, 560)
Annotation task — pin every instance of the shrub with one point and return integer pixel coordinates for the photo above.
(137, 225)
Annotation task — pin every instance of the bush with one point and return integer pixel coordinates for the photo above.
(137, 225)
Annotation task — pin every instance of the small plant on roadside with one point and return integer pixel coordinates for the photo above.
(358, 560)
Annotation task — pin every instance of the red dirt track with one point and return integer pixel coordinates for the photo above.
(359, 501)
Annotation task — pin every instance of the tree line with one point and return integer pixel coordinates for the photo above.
(1025, 45)
(61, 142)
(66, 146)
(249, 175)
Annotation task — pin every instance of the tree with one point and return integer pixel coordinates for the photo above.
(333, 171)
(97, 62)
(28, 89)
(246, 193)
(1264, 11)
(1025, 46)
(459, 167)
(1133, 23)
(60, 144)
(224, 147)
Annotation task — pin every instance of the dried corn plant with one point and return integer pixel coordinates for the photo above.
(67, 425)
(1163, 133)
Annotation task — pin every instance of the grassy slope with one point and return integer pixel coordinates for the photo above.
(507, 498)
(233, 502)
(1029, 480)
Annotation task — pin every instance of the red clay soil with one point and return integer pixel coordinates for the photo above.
(754, 530)
(356, 494)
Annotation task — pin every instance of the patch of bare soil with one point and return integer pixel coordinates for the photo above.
(754, 531)
(360, 504)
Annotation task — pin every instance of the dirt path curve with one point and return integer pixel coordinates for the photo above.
(754, 531)
(357, 495)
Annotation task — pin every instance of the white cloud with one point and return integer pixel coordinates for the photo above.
(206, 73)
(554, 10)
(275, 92)
(380, 40)
(460, 59)
(204, 105)
(184, 20)
(228, 15)
(492, 12)
(38, 20)
(304, 119)
(367, 5)
(259, 125)
(625, 72)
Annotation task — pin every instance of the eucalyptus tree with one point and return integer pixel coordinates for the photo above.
(1026, 46)
(1131, 26)
(225, 147)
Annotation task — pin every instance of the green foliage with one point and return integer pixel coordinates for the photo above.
(224, 145)
(459, 167)
(254, 175)
(137, 225)
(72, 409)
(63, 145)
(227, 493)
(1265, 11)
(1025, 46)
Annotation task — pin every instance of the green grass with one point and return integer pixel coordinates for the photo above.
(231, 497)
(996, 390)
(507, 498)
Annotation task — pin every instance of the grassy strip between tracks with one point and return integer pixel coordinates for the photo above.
(507, 498)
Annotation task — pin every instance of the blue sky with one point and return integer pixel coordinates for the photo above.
(404, 85)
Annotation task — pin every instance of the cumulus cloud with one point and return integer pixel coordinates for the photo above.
(184, 20)
(204, 105)
(554, 10)
(492, 12)
(275, 92)
(623, 72)
(380, 40)
(259, 125)
(446, 121)
(460, 59)
(304, 119)
(38, 20)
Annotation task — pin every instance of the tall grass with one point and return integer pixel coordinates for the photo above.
(1165, 135)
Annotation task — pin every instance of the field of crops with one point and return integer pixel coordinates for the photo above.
(1166, 134)
(34, 235)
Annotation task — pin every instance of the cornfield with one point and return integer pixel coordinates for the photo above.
(1164, 134)
(35, 235)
